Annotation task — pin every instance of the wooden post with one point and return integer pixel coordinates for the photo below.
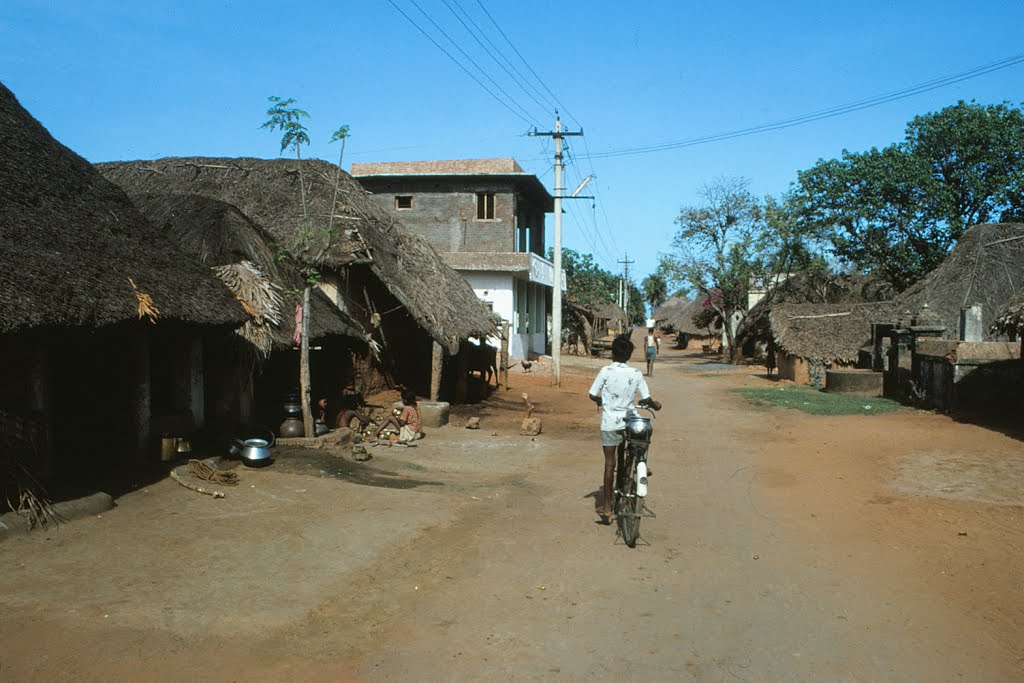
(196, 383)
(462, 382)
(304, 383)
(505, 329)
(39, 387)
(142, 385)
(436, 365)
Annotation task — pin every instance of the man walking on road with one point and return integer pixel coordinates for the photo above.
(652, 344)
(613, 391)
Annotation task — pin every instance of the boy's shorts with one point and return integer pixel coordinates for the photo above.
(651, 352)
(611, 438)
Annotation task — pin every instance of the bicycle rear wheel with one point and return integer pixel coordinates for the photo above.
(629, 505)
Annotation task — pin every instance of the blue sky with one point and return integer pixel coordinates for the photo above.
(119, 80)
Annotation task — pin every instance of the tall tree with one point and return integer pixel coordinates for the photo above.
(286, 118)
(716, 247)
(655, 288)
(897, 211)
(587, 285)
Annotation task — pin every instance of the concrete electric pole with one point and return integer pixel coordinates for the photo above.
(625, 286)
(556, 297)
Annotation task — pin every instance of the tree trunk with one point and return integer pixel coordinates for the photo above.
(304, 383)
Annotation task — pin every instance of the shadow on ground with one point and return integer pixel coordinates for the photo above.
(322, 463)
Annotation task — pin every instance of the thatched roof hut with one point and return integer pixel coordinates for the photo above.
(676, 315)
(826, 332)
(801, 289)
(268, 284)
(986, 266)
(1010, 320)
(610, 311)
(268, 193)
(73, 244)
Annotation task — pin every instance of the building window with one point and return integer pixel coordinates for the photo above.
(403, 201)
(484, 206)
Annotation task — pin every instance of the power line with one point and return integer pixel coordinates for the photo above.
(472, 61)
(448, 54)
(561, 107)
(518, 77)
(821, 114)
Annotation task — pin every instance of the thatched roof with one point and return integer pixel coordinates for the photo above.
(802, 289)
(986, 266)
(267, 192)
(610, 311)
(72, 243)
(267, 283)
(830, 332)
(676, 315)
(1010, 320)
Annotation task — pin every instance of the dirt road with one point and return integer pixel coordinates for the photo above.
(786, 547)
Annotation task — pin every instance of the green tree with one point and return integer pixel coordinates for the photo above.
(286, 118)
(586, 285)
(655, 288)
(716, 247)
(341, 134)
(897, 211)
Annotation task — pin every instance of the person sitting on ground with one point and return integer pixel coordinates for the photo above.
(407, 423)
(613, 391)
(352, 408)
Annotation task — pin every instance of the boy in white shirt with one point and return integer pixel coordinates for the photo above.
(613, 391)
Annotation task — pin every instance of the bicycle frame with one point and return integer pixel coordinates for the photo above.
(630, 503)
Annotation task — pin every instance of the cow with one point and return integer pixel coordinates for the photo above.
(482, 358)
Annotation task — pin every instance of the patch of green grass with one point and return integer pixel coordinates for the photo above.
(817, 402)
(415, 466)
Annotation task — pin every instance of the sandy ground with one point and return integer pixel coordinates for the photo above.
(786, 547)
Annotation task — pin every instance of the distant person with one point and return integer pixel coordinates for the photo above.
(614, 389)
(652, 344)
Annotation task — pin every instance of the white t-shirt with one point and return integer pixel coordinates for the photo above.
(617, 384)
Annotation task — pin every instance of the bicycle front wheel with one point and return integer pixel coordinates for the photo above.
(629, 505)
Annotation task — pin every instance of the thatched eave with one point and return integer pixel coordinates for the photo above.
(77, 253)
(267, 192)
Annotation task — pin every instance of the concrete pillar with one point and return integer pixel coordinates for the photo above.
(971, 325)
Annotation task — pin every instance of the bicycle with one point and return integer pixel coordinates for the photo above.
(630, 497)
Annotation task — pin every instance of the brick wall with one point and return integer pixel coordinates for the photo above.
(445, 212)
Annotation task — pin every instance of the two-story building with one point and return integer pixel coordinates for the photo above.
(486, 219)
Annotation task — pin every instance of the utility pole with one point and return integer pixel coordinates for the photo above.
(625, 286)
(556, 297)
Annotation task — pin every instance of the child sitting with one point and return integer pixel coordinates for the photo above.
(408, 422)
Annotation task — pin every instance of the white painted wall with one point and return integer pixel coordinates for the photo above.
(497, 289)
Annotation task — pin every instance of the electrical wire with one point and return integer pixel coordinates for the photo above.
(821, 114)
(561, 107)
(524, 115)
(517, 77)
(473, 62)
